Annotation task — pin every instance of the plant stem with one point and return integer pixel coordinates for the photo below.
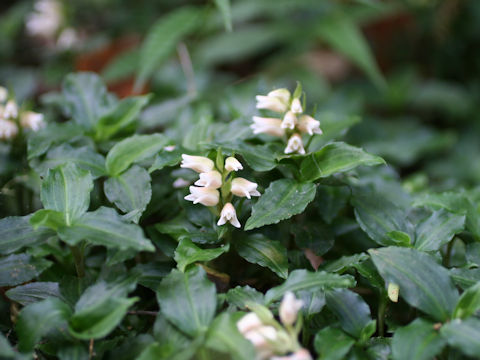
(382, 306)
(78, 258)
(448, 254)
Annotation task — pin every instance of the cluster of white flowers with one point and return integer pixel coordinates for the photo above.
(271, 340)
(292, 123)
(46, 21)
(211, 179)
(10, 117)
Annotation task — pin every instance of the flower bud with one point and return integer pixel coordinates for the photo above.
(203, 195)
(180, 183)
(232, 164)
(289, 308)
(289, 121)
(11, 110)
(248, 322)
(295, 144)
(262, 338)
(8, 129)
(392, 291)
(296, 106)
(3, 94)
(307, 124)
(31, 120)
(270, 126)
(211, 179)
(282, 94)
(199, 164)
(242, 187)
(228, 214)
(276, 100)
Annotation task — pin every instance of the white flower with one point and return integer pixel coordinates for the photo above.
(199, 164)
(46, 19)
(242, 187)
(301, 354)
(232, 164)
(11, 110)
(211, 179)
(289, 121)
(181, 183)
(169, 148)
(203, 195)
(392, 291)
(248, 322)
(3, 94)
(31, 120)
(309, 125)
(283, 94)
(262, 339)
(271, 126)
(67, 39)
(8, 129)
(296, 106)
(228, 214)
(295, 144)
(289, 308)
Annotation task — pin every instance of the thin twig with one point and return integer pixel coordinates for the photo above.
(142, 312)
(90, 349)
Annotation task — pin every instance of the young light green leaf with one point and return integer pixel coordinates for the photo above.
(86, 98)
(162, 39)
(131, 190)
(469, 302)
(121, 116)
(48, 218)
(37, 319)
(33, 292)
(260, 250)
(351, 310)
(188, 253)
(67, 189)
(334, 158)
(224, 7)
(463, 335)
(133, 149)
(282, 199)
(417, 341)
(105, 227)
(19, 268)
(332, 344)
(423, 283)
(188, 300)
(438, 229)
(306, 280)
(16, 233)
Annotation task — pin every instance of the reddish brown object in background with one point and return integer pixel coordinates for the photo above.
(97, 60)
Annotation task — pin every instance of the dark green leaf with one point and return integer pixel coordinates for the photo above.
(423, 283)
(33, 292)
(17, 269)
(463, 335)
(188, 300)
(166, 158)
(334, 158)
(417, 341)
(469, 302)
(188, 253)
(332, 344)
(16, 233)
(260, 250)
(283, 199)
(437, 230)
(179, 228)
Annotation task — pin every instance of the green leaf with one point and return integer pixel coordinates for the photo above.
(49, 218)
(423, 283)
(166, 158)
(84, 157)
(352, 311)
(86, 98)
(35, 320)
(188, 253)
(224, 337)
(417, 341)
(121, 116)
(133, 149)
(6, 350)
(469, 302)
(16, 233)
(306, 280)
(241, 296)
(258, 157)
(332, 344)
(105, 227)
(188, 300)
(179, 228)
(463, 335)
(73, 352)
(162, 39)
(99, 310)
(131, 190)
(438, 229)
(33, 292)
(19, 268)
(260, 250)
(281, 200)
(225, 9)
(335, 158)
(67, 189)
(339, 31)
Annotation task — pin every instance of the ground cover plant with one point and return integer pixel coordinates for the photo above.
(251, 179)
